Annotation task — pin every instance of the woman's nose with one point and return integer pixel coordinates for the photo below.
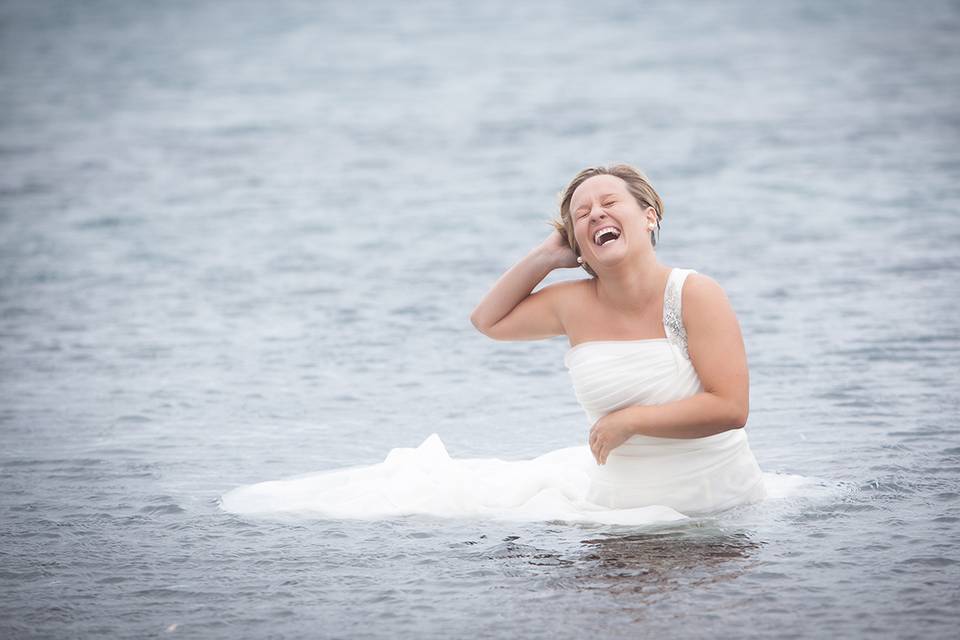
(597, 212)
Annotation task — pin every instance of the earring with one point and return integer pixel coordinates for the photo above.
(579, 260)
(651, 226)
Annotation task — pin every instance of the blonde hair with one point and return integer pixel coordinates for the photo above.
(637, 184)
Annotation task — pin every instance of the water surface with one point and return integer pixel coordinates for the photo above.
(242, 242)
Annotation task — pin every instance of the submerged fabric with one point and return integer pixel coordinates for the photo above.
(644, 480)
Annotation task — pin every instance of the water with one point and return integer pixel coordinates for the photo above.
(242, 242)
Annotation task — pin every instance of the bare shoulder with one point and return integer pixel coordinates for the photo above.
(699, 287)
(571, 292)
(703, 299)
(567, 288)
(568, 297)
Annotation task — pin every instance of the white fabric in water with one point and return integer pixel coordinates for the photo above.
(425, 480)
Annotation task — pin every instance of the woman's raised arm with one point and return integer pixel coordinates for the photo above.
(510, 312)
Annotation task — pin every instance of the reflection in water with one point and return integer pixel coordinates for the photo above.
(649, 564)
(653, 564)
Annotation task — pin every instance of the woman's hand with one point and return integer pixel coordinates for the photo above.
(558, 250)
(607, 434)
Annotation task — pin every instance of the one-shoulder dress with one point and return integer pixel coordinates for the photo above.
(690, 475)
(645, 480)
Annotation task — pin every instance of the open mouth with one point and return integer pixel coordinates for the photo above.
(605, 236)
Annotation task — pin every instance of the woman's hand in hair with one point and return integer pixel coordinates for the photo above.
(558, 249)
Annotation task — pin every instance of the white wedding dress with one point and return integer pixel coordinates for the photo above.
(645, 480)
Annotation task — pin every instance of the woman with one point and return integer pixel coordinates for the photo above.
(657, 362)
(657, 358)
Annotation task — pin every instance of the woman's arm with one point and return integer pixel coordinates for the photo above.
(510, 312)
(716, 350)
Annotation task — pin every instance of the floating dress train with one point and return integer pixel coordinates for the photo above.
(645, 480)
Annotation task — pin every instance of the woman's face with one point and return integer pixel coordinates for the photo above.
(608, 222)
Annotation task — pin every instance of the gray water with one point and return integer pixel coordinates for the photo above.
(241, 241)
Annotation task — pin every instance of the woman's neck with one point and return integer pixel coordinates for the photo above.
(631, 287)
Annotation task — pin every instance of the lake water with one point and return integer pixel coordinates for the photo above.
(241, 241)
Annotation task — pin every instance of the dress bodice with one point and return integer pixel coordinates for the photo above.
(609, 375)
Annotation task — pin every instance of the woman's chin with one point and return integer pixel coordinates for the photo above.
(610, 255)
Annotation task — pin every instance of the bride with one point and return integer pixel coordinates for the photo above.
(657, 362)
(657, 358)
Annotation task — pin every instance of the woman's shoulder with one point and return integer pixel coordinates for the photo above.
(702, 296)
(570, 294)
(573, 289)
(697, 284)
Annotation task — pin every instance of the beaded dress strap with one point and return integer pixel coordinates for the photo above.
(673, 310)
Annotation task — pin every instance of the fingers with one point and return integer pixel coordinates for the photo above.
(603, 449)
(599, 451)
(598, 446)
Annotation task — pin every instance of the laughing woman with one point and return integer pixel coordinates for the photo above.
(657, 358)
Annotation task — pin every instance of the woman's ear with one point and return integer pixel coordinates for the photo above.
(651, 215)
